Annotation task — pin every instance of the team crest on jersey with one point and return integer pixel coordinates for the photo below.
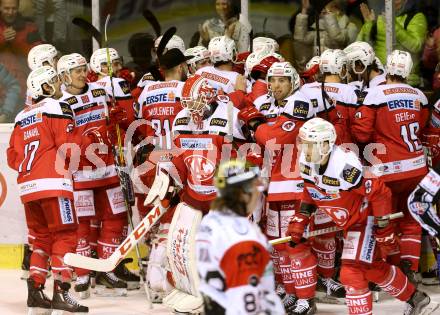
(71, 100)
(300, 109)
(181, 121)
(98, 92)
(200, 167)
(31, 120)
(350, 174)
(288, 126)
(124, 87)
(85, 99)
(218, 122)
(330, 181)
(339, 215)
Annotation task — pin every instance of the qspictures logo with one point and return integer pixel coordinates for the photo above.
(3, 189)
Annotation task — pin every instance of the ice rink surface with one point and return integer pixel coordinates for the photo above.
(13, 294)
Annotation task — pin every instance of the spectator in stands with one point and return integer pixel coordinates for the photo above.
(410, 27)
(42, 7)
(336, 29)
(17, 36)
(431, 56)
(12, 95)
(227, 23)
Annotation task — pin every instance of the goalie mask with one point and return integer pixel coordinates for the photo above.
(222, 49)
(99, 57)
(360, 53)
(334, 61)
(399, 63)
(284, 69)
(40, 76)
(40, 54)
(316, 140)
(200, 55)
(69, 62)
(197, 95)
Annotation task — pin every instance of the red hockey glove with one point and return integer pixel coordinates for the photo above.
(297, 226)
(98, 135)
(251, 117)
(117, 115)
(386, 240)
(127, 75)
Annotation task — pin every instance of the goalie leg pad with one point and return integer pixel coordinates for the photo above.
(157, 265)
(181, 249)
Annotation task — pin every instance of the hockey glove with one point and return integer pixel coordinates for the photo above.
(117, 115)
(97, 135)
(296, 227)
(251, 117)
(386, 240)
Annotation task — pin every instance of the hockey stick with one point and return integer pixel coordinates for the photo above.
(89, 28)
(329, 230)
(106, 265)
(169, 33)
(151, 18)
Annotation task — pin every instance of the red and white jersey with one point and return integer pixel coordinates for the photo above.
(258, 88)
(393, 115)
(122, 95)
(234, 265)
(39, 131)
(204, 146)
(340, 95)
(159, 104)
(146, 79)
(223, 81)
(343, 190)
(269, 107)
(89, 111)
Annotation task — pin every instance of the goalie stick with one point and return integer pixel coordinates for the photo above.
(106, 265)
(329, 230)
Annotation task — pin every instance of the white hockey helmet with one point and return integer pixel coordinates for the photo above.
(313, 62)
(197, 94)
(222, 49)
(379, 64)
(199, 53)
(333, 61)
(69, 62)
(39, 76)
(360, 51)
(40, 54)
(399, 63)
(174, 42)
(316, 132)
(284, 69)
(99, 57)
(265, 43)
(252, 60)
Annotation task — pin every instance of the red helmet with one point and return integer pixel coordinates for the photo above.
(264, 66)
(197, 93)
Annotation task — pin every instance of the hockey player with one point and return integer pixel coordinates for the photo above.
(200, 58)
(46, 189)
(232, 254)
(220, 76)
(269, 45)
(311, 72)
(359, 204)
(364, 71)
(332, 91)
(393, 115)
(98, 195)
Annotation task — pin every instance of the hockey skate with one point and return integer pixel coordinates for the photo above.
(330, 291)
(25, 264)
(107, 284)
(420, 304)
(122, 272)
(37, 301)
(63, 301)
(82, 286)
(304, 307)
(288, 300)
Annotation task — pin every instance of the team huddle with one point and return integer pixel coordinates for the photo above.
(235, 149)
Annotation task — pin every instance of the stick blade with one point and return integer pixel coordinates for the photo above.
(169, 33)
(89, 28)
(154, 22)
(79, 261)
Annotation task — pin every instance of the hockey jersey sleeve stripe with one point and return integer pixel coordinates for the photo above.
(57, 116)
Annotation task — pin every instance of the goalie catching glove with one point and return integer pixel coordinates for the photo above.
(163, 188)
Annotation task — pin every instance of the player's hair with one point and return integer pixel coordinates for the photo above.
(397, 78)
(231, 201)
